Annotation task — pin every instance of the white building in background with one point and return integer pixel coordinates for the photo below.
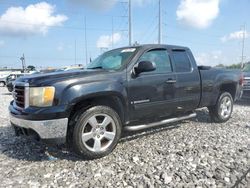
(5, 73)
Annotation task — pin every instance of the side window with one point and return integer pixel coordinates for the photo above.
(181, 61)
(160, 58)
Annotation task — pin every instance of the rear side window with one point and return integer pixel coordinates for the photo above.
(161, 59)
(181, 61)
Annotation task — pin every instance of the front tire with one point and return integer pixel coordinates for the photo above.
(96, 132)
(222, 110)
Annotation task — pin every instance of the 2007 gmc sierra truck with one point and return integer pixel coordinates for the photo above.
(130, 88)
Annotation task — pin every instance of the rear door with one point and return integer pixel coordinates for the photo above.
(187, 79)
(152, 94)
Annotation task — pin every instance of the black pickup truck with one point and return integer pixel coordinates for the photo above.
(130, 88)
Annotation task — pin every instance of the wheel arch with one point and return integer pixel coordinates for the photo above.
(230, 88)
(112, 100)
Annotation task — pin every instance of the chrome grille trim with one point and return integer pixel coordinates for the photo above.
(21, 90)
(26, 96)
(246, 85)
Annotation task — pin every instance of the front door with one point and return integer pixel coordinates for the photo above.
(152, 94)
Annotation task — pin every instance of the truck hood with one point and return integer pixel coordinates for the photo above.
(51, 78)
(246, 74)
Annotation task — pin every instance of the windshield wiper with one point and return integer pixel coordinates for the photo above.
(95, 67)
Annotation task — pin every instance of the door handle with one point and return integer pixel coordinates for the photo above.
(171, 81)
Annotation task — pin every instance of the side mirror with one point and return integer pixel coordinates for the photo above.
(144, 66)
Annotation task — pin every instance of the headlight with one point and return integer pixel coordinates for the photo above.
(41, 96)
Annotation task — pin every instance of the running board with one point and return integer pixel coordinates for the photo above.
(166, 121)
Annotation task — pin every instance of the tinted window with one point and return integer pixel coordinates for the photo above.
(246, 68)
(112, 60)
(160, 58)
(181, 61)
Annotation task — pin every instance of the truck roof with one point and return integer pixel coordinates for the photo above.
(160, 46)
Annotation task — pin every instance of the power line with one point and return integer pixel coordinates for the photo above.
(192, 41)
(86, 42)
(172, 26)
(42, 58)
(150, 27)
(123, 25)
(60, 27)
(65, 10)
(151, 24)
(151, 35)
(130, 24)
(159, 34)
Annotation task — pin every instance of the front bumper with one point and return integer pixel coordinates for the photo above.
(55, 129)
(246, 94)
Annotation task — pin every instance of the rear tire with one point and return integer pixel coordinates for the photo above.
(97, 132)
(222, 110)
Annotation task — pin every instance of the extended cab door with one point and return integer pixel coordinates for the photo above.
(188, 91)
(152, 94)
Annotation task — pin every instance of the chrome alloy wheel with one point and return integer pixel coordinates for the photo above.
(225, 108)
(98, 132)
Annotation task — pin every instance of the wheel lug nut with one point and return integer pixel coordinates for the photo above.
(98, 136)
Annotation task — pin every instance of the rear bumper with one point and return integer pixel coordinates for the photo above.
(55, 129)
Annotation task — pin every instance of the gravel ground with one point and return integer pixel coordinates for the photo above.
(193, 153)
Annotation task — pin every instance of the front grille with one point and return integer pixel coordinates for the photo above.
(246, 84)
(19, 96)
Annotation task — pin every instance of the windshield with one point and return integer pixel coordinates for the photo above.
(112, 60)
(246, 68)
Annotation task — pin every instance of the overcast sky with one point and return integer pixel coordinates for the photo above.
(51, 33)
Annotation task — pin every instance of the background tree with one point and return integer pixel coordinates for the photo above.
(234, 66)
(31, 68)
(220, 65)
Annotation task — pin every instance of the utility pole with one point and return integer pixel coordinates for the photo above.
(23, 63)
(129, 22)
(243, 45)
(159, 34)
(86, 42)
